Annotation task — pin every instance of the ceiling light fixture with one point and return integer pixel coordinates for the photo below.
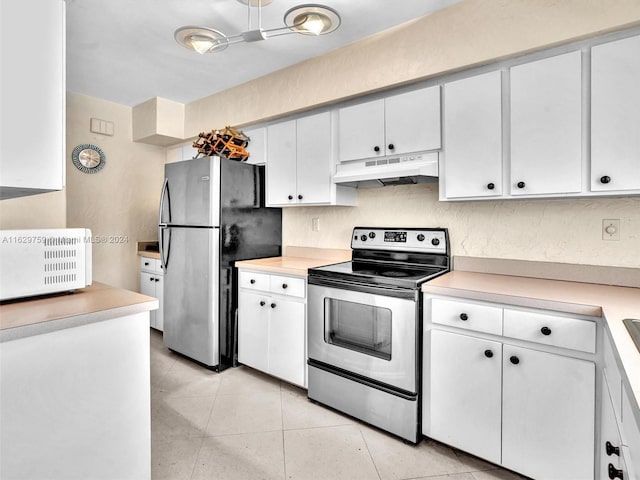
(308, 19)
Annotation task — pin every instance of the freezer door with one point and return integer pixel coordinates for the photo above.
(191, 293)
(191, 195)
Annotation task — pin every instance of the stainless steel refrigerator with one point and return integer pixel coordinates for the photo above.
(211, 214)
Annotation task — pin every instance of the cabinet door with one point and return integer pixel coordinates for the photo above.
(361, 130)
(32, 96)
(615, 115)
(473, 136)
(281, 163)
(287, 341)
(412, 121)
(546, 119)
(257, 147)
(464, 393)
(315, 159)
(253, 317)
(148, 287)
(159, 281)
(547, 414)
(608, 433)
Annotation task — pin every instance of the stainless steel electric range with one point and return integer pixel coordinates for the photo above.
(364, 329)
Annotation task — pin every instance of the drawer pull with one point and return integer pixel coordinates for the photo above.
(157, 279)
(284, 286)
(615, 473)
(464, 317)
(252, 281)
(273, 305)
(151, 279)
(488, 353)
(262, 303)
(545, 330)
(146, 264)
(515, 360)
(611, 450)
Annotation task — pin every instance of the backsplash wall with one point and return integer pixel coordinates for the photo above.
(562, 230)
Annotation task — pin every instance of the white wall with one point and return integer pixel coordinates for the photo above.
(119, 201)
(563, 230)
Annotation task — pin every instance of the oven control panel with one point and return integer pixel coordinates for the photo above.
(432, 240)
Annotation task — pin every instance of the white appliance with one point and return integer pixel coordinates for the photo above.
(40, 262)
(421, 167)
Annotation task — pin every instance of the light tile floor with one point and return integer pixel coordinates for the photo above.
(244, 425)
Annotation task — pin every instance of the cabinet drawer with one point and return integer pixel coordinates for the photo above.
(253, 280)
(553, 330)
(470, 316)
(152, 265)
(292, 286)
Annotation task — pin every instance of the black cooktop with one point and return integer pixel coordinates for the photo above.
(406, 276)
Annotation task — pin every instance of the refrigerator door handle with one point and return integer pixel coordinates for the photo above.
(164, 259)
(165, 191)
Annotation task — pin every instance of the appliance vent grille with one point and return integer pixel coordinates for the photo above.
(60, 255)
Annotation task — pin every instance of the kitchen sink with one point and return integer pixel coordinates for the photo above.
(633, 325)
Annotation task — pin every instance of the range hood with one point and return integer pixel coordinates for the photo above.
(392, 170)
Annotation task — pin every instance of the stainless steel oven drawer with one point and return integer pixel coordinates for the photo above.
(379, 408)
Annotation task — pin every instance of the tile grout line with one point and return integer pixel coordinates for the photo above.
(284, 451)
(369, 452)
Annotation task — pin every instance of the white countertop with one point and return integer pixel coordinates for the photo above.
(98, 302)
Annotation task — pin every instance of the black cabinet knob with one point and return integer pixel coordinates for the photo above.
(515, 360)
(252, 281)
(376, 148)
(284, 285)
(545, 330)
(273, 305)
(611, 450)
(157, 279)
(615, 473)
(391, 146)
(290, 197)
(490, 186)
(488, 353)
(262, 303)
(464, 317)
(520, 184)
(146, 264)
(151, 279)
(299, 197)
(605, 179)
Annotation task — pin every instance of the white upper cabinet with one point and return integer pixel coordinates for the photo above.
(472, 151)
(400, 124)
(546, 126)
(282, 166)
(301, 163)
(257, 146)
(615, 115)
(32, 95)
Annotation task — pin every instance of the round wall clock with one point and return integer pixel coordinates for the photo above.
(88, 158)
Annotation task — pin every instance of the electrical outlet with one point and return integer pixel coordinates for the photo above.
(611, 229)
(315, 224)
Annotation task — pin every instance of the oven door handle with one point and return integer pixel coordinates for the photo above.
(387, 291)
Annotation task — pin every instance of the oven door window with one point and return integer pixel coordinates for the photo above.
(359, 327)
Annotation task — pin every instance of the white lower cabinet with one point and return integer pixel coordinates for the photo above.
(152, 284)
(548, 405)
(505, 398)
(465, 393)
(272, 325)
